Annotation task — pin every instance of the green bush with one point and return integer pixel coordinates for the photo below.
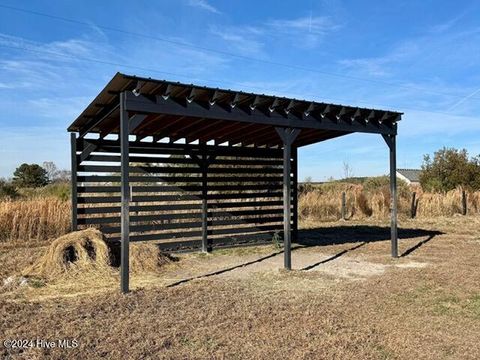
(448, 169)
(7, 190)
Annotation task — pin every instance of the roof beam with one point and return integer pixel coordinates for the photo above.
(182, 132)
(206, 136)
(99, 117)
(135, 121)
(159, 105)
(192, 136)
(238, 131)
(239, 137)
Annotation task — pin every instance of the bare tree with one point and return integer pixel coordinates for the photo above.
(347, 170)
(54, 174)
(51, 170)
(63, 175)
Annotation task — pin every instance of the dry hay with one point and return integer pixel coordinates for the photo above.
(86, 251)
(147, 258)
(71, 254)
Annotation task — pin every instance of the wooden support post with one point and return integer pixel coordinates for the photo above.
(125, 198)
(344, 205)
(413, 206)
(391, 142)
(295, 193)
(464, 202)
(73, 144)
(288, 136)
(204, 161)
(204, 167)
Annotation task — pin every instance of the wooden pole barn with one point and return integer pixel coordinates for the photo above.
(198, 168)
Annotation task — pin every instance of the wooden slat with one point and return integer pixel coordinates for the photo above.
(243, 204)
(177, 170)
(256, 220)
(236, 213)
(137, 179)
(168, 148)
(141, 159)
(138, 218)
(244, 195)
(153, 198)
(181, 197)
(154, 227)
(138, 208)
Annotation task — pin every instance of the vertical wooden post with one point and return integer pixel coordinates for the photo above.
(73, 180)
(413, 206)
(464, 202)
(391, 142)
(287, 198)
(295, 193)
(204, 168)
(288, 136)
(125, 197)
(344, 205)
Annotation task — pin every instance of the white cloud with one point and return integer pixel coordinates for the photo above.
(319, 25)
(247, 40)
(203, 4)
(303, 32)
(306, 31)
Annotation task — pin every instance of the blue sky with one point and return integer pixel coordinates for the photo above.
(418, 57)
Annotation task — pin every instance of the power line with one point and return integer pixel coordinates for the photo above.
(226, 53)
(207, 81)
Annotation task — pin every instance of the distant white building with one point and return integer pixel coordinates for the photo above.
(410, 176)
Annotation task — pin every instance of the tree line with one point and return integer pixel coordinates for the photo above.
(32, 176)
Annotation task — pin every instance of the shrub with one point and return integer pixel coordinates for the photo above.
(7, 190)
(449, 169)
(362, 203)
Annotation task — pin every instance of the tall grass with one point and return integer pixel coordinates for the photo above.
(48, 217)
(324, 204)
(34, 219)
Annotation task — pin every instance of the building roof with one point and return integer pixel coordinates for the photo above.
(176, 110)
(411, 174)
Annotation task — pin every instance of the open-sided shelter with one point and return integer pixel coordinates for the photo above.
(194, 167)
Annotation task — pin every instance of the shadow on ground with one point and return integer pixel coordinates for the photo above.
(358, 235)
(336, 235)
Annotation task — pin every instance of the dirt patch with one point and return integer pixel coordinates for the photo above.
(412, 265)
(309, 260)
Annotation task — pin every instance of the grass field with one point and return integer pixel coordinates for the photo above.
(346, 299)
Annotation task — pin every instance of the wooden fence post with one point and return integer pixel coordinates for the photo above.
(413, 207)
(344, 206)
(464, 202)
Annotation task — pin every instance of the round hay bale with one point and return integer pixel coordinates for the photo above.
(75, 252)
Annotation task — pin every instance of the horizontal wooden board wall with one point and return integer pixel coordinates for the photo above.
(243, 186)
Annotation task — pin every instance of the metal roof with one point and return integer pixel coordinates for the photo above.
(177, 110)
(411, 174)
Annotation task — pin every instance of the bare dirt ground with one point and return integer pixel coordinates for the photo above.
(345, 299)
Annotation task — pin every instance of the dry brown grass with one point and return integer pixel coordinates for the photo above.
(325, 205)
(45, 218)
(36, 219)
(407, 311)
